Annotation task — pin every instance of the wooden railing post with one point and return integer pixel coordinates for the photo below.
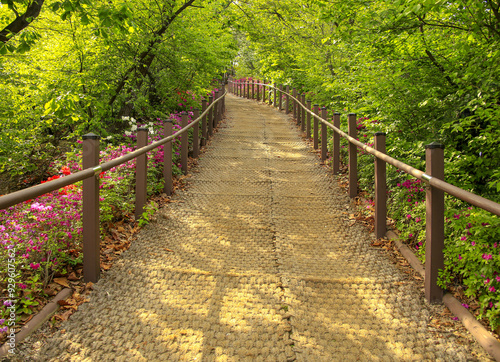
(274, 94)
(316, 132)
(294, 104)
(90, 219)
(184, 144)
(223, 103)
(380, 188)
(315, 109)
(141, 172)
(253, 89)
(434, 223)
(300, 120)
(353, 157)
(336, 144)
(258, 90)
(270, 96)
(264, 91)
(280, 101)
(219, 108)
(324, 134)
(287, 100)
(216, 110)
(210, 119)
(167, 158)
(303, 115)
(248, 88)
(203, 123)
(196, 134)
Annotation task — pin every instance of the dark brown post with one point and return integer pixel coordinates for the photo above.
(280, 101)
(287, 100)
(253, 89)
(248, 88)
(316, 131)
(203, 123)
(336, 144)
(184, 144)
(196, 134)
(380, 188)
(91, 231)
(308, 124)
(210, 119)
(216, 110)
(141, 171)
(258, 90)
(434, 223)
(219, 108)
(264, 91)
(270, 96)
(167, 158)
(223, 111)
(303, 115)
(324, 142)
(299, 110)
(353, 157)
(294, 103)
(274, 94)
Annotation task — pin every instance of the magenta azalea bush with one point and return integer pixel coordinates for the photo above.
(43, 235)
(472, 235)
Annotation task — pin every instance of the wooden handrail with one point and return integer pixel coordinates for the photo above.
(32, 192)
(90, 217)
(433, 177)
(462, 194)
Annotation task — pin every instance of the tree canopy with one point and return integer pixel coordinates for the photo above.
(80, 66)
(428, 70)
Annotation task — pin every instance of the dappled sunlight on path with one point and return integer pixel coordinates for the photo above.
(254, 261)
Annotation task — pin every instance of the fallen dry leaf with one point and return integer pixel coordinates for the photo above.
(64, 317)
(62, 281)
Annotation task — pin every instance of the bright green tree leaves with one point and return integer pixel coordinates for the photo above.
(428, 69)
(82, 65)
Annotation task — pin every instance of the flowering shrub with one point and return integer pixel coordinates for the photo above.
(407, 207)
(472, 235)
(45, 234)
(472, 257)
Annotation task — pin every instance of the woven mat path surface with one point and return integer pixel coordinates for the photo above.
(254, 261)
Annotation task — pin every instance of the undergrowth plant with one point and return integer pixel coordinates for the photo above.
(45, 234)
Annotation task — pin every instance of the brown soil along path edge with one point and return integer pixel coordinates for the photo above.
(255, 261)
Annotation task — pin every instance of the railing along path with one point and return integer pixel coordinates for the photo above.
(210, 117)
(433, 176)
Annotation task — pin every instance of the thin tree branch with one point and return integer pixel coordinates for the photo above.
(21, 22)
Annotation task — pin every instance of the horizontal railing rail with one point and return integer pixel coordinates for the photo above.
(433, 176)
(210, 118)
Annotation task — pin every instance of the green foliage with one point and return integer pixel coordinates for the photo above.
(85, 65)
(472, 256)
(149, 210)
(426, 71)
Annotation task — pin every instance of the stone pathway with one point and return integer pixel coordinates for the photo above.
(254, 261)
